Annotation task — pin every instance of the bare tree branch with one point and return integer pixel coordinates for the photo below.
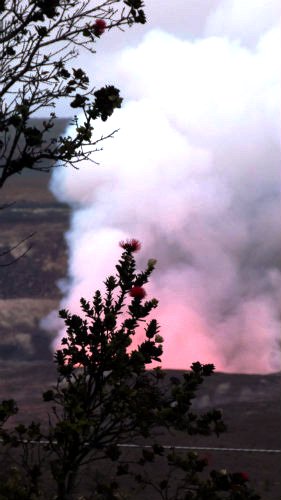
(14, 247)
(38, 39)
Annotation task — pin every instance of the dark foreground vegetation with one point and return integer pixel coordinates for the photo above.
(104, 397)
(247, 402)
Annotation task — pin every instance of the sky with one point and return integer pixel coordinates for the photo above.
(194, 174)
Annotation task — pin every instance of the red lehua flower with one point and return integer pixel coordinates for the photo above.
(239, 477)
(205, 460)
(244, 476)
(137, 292)
(132, 245)
(99, 27)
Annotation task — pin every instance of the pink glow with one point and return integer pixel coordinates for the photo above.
(194, 174)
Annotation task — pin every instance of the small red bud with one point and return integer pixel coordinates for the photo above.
(137, 292)
(244, 476)
(99, 27)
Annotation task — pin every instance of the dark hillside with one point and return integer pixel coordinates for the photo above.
(28, 288)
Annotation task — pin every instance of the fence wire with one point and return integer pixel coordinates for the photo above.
(167, 447)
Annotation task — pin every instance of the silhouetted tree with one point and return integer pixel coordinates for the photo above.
(38, 39)
(106, 394)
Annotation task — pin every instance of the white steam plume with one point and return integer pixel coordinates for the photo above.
(194, 173)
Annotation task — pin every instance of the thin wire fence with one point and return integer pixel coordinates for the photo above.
(166, 447)
(208, 448)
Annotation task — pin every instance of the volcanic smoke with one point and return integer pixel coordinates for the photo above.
(194, 174)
